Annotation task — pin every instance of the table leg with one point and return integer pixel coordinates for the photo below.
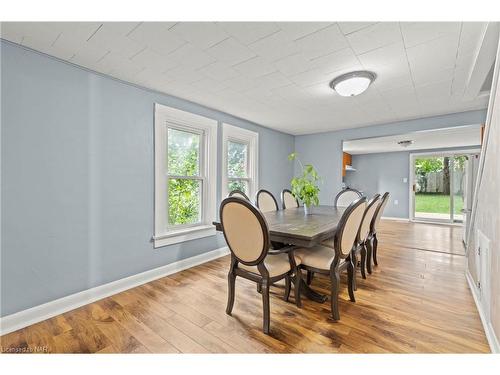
(307, 291)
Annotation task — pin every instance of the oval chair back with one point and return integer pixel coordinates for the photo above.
(345, 197)
(348, 227)
(265, 201)
(378, 213)
(288, 200)
(371, 208)
(245, 230)
(238, 194)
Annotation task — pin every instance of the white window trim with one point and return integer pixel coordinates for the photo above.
(230, 132)
(163, 116)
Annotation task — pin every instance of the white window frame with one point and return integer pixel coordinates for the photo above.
(239, 135)
(167, 117)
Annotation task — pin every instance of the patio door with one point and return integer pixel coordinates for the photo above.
(439, 186)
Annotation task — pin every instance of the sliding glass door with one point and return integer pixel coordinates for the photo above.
(439, 187)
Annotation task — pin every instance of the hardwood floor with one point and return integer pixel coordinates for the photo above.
(431, 237)
(415, 301)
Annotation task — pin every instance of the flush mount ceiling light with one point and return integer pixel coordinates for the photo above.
(353, 83)
(405, 143)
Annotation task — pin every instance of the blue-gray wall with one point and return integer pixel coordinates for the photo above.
(324, 150)
(77, 178)
(378, 173)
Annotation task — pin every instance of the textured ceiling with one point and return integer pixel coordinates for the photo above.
(277, 74)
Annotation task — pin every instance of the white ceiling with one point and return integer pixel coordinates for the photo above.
(277, 74)
(460, 136)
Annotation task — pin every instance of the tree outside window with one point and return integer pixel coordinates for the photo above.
(184, 181)
(237, 166)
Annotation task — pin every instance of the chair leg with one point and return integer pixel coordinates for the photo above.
(363, 261)
(265, 306)
(288, 287)
(231, 280)
(310, 276)
(334, 297)
(369, 256)
(298, 282)
(351, 279)
(354, 261)
(375, 246)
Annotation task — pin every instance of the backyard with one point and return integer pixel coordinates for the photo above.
(436, 203)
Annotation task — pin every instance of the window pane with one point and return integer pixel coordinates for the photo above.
(432, 195)
(183, 153)
(184, 201)
(241, 185)
(237, 159)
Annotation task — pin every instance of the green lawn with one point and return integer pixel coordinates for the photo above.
(436, 203)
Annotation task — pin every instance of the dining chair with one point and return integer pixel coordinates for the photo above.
(363, 240)
(247, 235)
(331, 261)
(238, 194)
(345, 197)
(373, 239)
(265, 201)
(288, 200)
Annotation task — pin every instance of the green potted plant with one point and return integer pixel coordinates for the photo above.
(305, 188)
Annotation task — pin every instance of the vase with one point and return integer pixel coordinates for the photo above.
(308, 208)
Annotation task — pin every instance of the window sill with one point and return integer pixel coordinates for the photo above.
(183, 235)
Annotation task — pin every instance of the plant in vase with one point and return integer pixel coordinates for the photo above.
(305, 188)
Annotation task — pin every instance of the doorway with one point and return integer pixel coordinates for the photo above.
(441, 186)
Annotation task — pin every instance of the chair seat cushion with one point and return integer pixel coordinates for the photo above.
(278, 264)
(320, 257)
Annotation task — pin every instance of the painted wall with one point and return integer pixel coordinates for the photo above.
(324, 150)
(378, 173)
(77, 178)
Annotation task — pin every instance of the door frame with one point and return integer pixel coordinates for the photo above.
(411, 196)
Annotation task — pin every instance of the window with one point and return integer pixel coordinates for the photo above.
(239, 160)
(185, 176)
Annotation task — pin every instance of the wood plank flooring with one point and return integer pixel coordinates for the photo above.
(415, 301)
(431, 237)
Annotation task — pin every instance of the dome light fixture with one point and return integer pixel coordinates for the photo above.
(353, 83)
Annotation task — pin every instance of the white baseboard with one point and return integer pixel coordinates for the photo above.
(488, 329)
(395, 218)
(21, 319)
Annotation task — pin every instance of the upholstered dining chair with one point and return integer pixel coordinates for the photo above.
(247, 235)
(288, 200)
(372, 249)
(363, 240)
(238, 194)
(331, 261)
(265, 201)
(345, 197)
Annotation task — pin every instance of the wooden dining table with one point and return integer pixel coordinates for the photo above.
(292, 227)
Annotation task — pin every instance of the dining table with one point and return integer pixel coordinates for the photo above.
(291, 226)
